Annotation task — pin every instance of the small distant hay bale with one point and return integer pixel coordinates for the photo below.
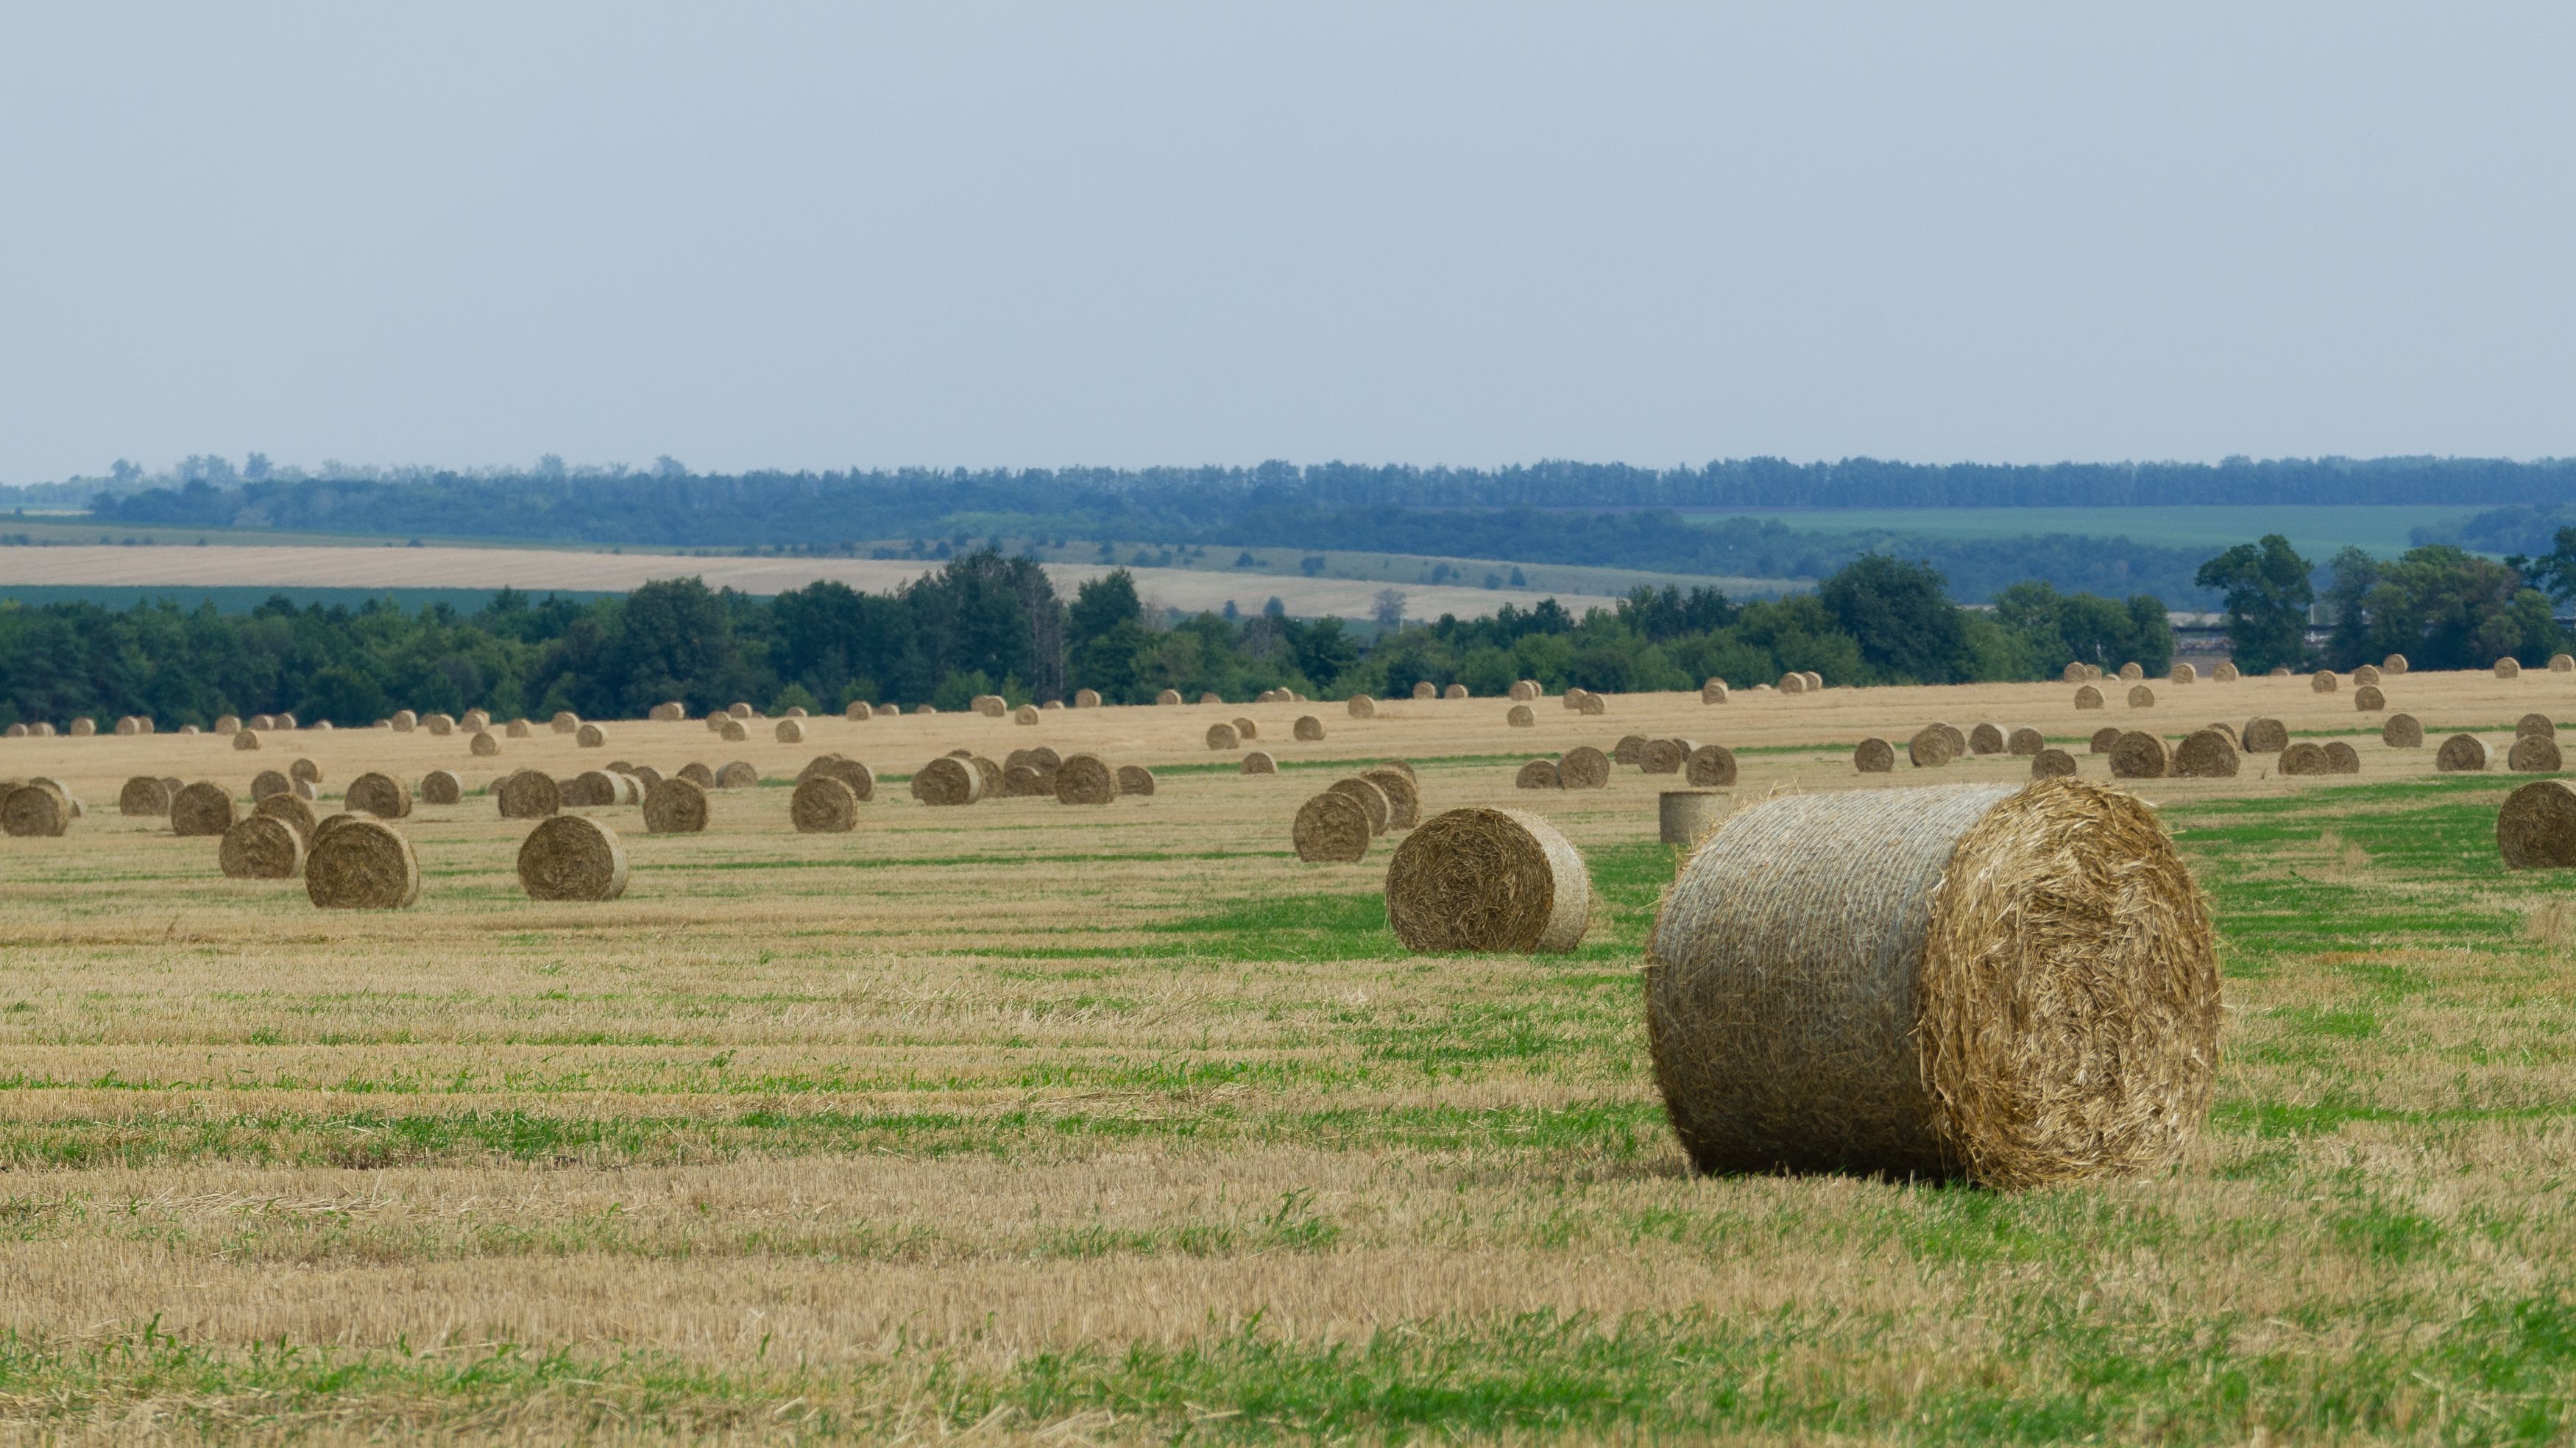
(2088, 697)
(1539, 774)
(127, 726)
(570, 857)
(1629, 748)
(1168, 696)
(1260, 762)
(2130, 673)
(1500, 881)
(1211, 697)
(2532, 754)
(2461, 754)
(2183, 673)
(1027, 781)
(1222, 737)
(202, 808)
(2051, 764)
(2207, 754)
(224, 724)
(1308, 728)
(2508, 668)
(84, 727)
(1683, 817)
(2014, 986)
(518, 729)
(441, 786)
(1403, 796)
(2393, 664)
(1524, 690)
(2323, 681)
(529, 794)
(2024, 742)
(1572, 700)
(1793, 683)
(1582, 767)
(440, 725)
(823, 805)
(1135, 779)
(1025, 714)
(2263, 735)
(732, 731)
(2139, 755)
(2141, 697)
(2279, 671)
(381, 795)
(294, 810)
(1086, 698)
(698, 774)
(19, 731)
(1454, 691)
(667, 713)
(861, 779)
(1246, 730)
(1592, 705)
(947, 781)
(1330, 829)
(1520, 717)
(717, 720)
(483, 745)
(790, 731)
(2402, 731)
(261, 722)
(1985, 739)
(2226, 673)
(1713, 692)
(858, 712)
(1426, 689)
(1930, 748)
(1815, 682)
(271, 781)
(1085, 779)
(1874, 756)
(1710, 765)
(306, 770)
(2366, 674)
(39, 809)
(2536, 828)
(2075, 673)
(245, 739)
(565, 721)
(590, 736)
(2535, 725)
(793, 711)
(2342, 758)
(2368, 699)
(364, 864)
(143, 796)
(740, 709)
(989, 772)
(2103, 738)
(1361, 706)
(675, 806)
(2302, 758)
(1371, 798)
(261, 848)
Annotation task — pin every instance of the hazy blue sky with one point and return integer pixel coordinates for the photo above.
(960, 234)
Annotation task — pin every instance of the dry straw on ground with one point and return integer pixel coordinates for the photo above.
(441, 786)
(2051, 764)
(361, 863)
(203, 808)
(1539, 774)
(143, 795)
(823, 805)
(291, 810)
(1930, 748)
(1500, 881)
(37, 809)
(1372, 801)
(675, 806)
(1403, 795)
(570, 857)
(947, 781)
(1711, 765)
(1085, 779)
(1583, 767)
(1985, 739)
(2303, 758)
(381, 795)
(1874, 756)
(2402, 731)
(2088, 697)
(261, 848)
(2207, 754)
(1685, 816)
(1331, 828)
(528, 794)
(2536, 828)
(2532, 754)
(2263, 735)
(2461, 754)
(2053, 1012)
(2138, 755)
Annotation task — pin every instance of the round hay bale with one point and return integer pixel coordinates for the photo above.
(519, 729)
(2207, 754)
(1582, 767)
(1985, 739)
(2141, 697)
(1815, 682)
(1627, 750)
(570, 857)
(440, 725)
(2279, 671)
(989, 772)
(1399, 766)
(2508, 668)
(2461, 754)
(948, 781)
(667, 713)
(1086, 698)
(2342, 758)
(381, 795)
(1085, 779)
(127, 727)
(483, 745)
(1222, 737)
(306, 770)
(283, 721)
(2088, 697)
(2302, 758)
(2402, 731)
(1520, 717)
(823, 805)
(1524, 690)
(2052, 1013)
(1793, 683)
(2536, 828)
(1709, 765)
(1664, 756)
(2368, 699)
(143, 795)
(590, 736)
(1371, 799)
(261, 848)
(1362, 706)
(793, 711)
(717, 720)
(2183, 674)
(2393, 664)
(19, 731)
(2138, 755)
(441, 786)
(1025, 714)
(1454, 691)
(740, 709)
(675, 806)
(2262, 735)
(295, 812)
(732, 731)
(1168, 696)
(1135, 779)
(173, 784)
(2366, 674)
(1592, 705)
(2226, 673)
(790, 732)
(44, 729)
(2076, 672)
(2051, 764)
(1930, 748)
(564, 721)
(1713, 692)
(2532, 754)
(270, 781)
(590, 789)
(202, 808)
(1572, 699)
(1500, 881)
(2024, 742)
(304, 790)
(1260, 762)
(1874, 756)
(363, 864)
(2535, 725)
(2130, 673)
(1308, 728)
(1426, 690)
(39, 809)
(991, 706)
(2323, 681)
(2103, 738)
(2229, 730)
(1211, 697)
(1683, 817)
(325, 825)
(1331, 828)
(245, 739)
(698, 774)
(1539, 774)
(1246, 730)
(861, 779)
(859, 712)
(529, 794)
(1403, 796)
(261, 722)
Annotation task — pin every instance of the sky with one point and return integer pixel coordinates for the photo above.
(970, 235)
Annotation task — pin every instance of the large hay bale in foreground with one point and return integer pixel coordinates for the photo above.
(1502, 881)
(675, 806)
(1874, 756)
(2402, 731)
(948, 781)
(1085, 779)
(37, 809)
(1710, 765)
(1308, 728)
(203, 808)
(2303, 757)
(361, 864)
(2367, 699)
(2508, 668)
(2342, 758)
(1539, 774)
(381, 795)
(1520, 717)
(1930, 748)
(261, 848)
(2264, 735)
(2207, 754)
(571, 857)
(290, 810)
(1583, 767)
(1985, 739)
(1372, 801)
(2088, 697)
(1361, 706)
(1403, 796)
(2051, 764)
(2024, 742)
(143, 795)
(2139, 755)
(1683, 817)
(823, 805)
(441, 786)
(2011, 986)
(1331, 828)
(2536, 828)
(2461, 754)
(1135, 779)
(529, 794)
(2531, 754)
(2539, 726)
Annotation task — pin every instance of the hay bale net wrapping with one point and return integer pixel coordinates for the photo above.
(1538, 774)
(203, 808)
(2016, 986)
(529, 794)
(1489, 880)
(570, 857)
(2536, 828)
(2139, 755)
(2461, 753)
(675, 806)
(1874, 756)
(261, 847)
(1583, 767)
(361, 863)
(1331, 828)
(1085, 779)
(1135, 779)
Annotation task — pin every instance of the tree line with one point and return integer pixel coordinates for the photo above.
(2439, 605)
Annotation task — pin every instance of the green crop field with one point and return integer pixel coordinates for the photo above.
(2317, 531)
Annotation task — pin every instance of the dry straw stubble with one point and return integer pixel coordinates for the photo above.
(361, 863)
(1488, 880)
(572, 857)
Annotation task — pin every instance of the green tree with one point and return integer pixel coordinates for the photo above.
(1903, 621)
(2267, 594)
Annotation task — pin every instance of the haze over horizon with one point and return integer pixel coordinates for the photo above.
(823, 237)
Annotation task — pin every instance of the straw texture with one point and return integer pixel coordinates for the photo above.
(381, 795)
(1874, 756)
(948, 781)
(143, 795)
(1135, 779)
(2367, 699)
(2139, 755)
(1539, 774)
(1683, 817)
(2207, 754)
(1520, 717)
(2342, 758)
(2302, 758)
(1930, 748)
(529, 794)
(2508, 668)
(203, 808)
(1371, 800)
(1985, 739)
(1331, 828)
(38, 809)
(261, 848)
(823, 805)
(361, 863)
(2532, 754)
(2323, 681)
(2402, 731)
(737, 774)
(441, 786)
(2051, 764)
(1403, 796)
(2536, 828)
(1307, 728)
(2267, 736)
(2461, 754)
(1488, 880)
(2535, 726)
(1362, 706)
(2141, 697)
(1664, 756)
(1709, 766)
(675, 806)
(2024, 742)
(290, 810)
(2088, 697)
(1085, 779)
(571, 857)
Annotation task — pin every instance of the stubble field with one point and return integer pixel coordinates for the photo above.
(1023, 1120)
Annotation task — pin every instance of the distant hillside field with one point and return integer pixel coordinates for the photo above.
(2317, 530)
